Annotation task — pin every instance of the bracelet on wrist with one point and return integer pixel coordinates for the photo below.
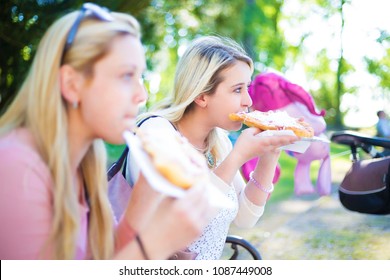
(259, 186)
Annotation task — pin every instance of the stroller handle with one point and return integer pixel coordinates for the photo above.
(358, 140)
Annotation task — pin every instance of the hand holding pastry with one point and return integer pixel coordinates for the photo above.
(249, 144)
(174, 157)
(274, 120)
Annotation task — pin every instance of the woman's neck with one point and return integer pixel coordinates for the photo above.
(195, 129)
(79, 142)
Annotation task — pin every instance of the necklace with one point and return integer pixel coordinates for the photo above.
(208, 155)
(210, 159)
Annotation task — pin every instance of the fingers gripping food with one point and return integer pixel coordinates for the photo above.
(174, 157)
(274, 120)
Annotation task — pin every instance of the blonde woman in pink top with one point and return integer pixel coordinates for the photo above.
(84, 85)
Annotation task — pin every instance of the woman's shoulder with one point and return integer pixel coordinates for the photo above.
(156, 122)
(19, 139)
(19, 151)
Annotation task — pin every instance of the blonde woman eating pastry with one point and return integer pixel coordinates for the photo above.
(211, 81)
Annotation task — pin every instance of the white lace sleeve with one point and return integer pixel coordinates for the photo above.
(248, 213)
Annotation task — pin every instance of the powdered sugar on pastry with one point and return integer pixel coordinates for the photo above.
(174, 157)
(274, 120)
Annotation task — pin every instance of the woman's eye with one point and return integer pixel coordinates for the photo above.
(237, 90)
(128, 76)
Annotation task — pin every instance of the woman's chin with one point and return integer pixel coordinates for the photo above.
(234, 126)
(115, 140)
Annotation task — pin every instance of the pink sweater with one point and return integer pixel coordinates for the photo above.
(26, 202)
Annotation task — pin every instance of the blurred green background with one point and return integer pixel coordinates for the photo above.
(338, 50)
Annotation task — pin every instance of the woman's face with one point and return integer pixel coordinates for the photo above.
(231, 96)
(110, 100)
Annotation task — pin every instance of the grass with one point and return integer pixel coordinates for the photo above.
(342, 243)
(346, 243)
(284, 188)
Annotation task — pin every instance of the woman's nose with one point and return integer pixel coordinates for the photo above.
(141, 92)
(246, 99)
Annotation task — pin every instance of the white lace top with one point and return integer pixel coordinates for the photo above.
(210, 244)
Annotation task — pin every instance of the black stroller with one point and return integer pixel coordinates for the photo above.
(366, 186)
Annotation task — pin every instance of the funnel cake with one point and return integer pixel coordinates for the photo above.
(174, 157)
(274, 120)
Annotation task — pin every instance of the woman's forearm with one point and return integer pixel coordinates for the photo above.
(229, 167)
(257, 188)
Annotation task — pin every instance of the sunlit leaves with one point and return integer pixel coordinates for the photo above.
(26, 53)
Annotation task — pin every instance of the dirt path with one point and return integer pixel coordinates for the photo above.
(312, 228)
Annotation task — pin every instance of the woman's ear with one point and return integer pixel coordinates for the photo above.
(201, 100)
(70, 84)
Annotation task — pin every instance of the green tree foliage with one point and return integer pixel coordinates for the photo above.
(381, 67)
(22, 24)
(326, 71)
(168, 25)
(262, 24)
(254, 24)
(20, 30)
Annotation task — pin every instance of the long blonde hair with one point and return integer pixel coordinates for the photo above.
(199, 72)
(40, 107)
